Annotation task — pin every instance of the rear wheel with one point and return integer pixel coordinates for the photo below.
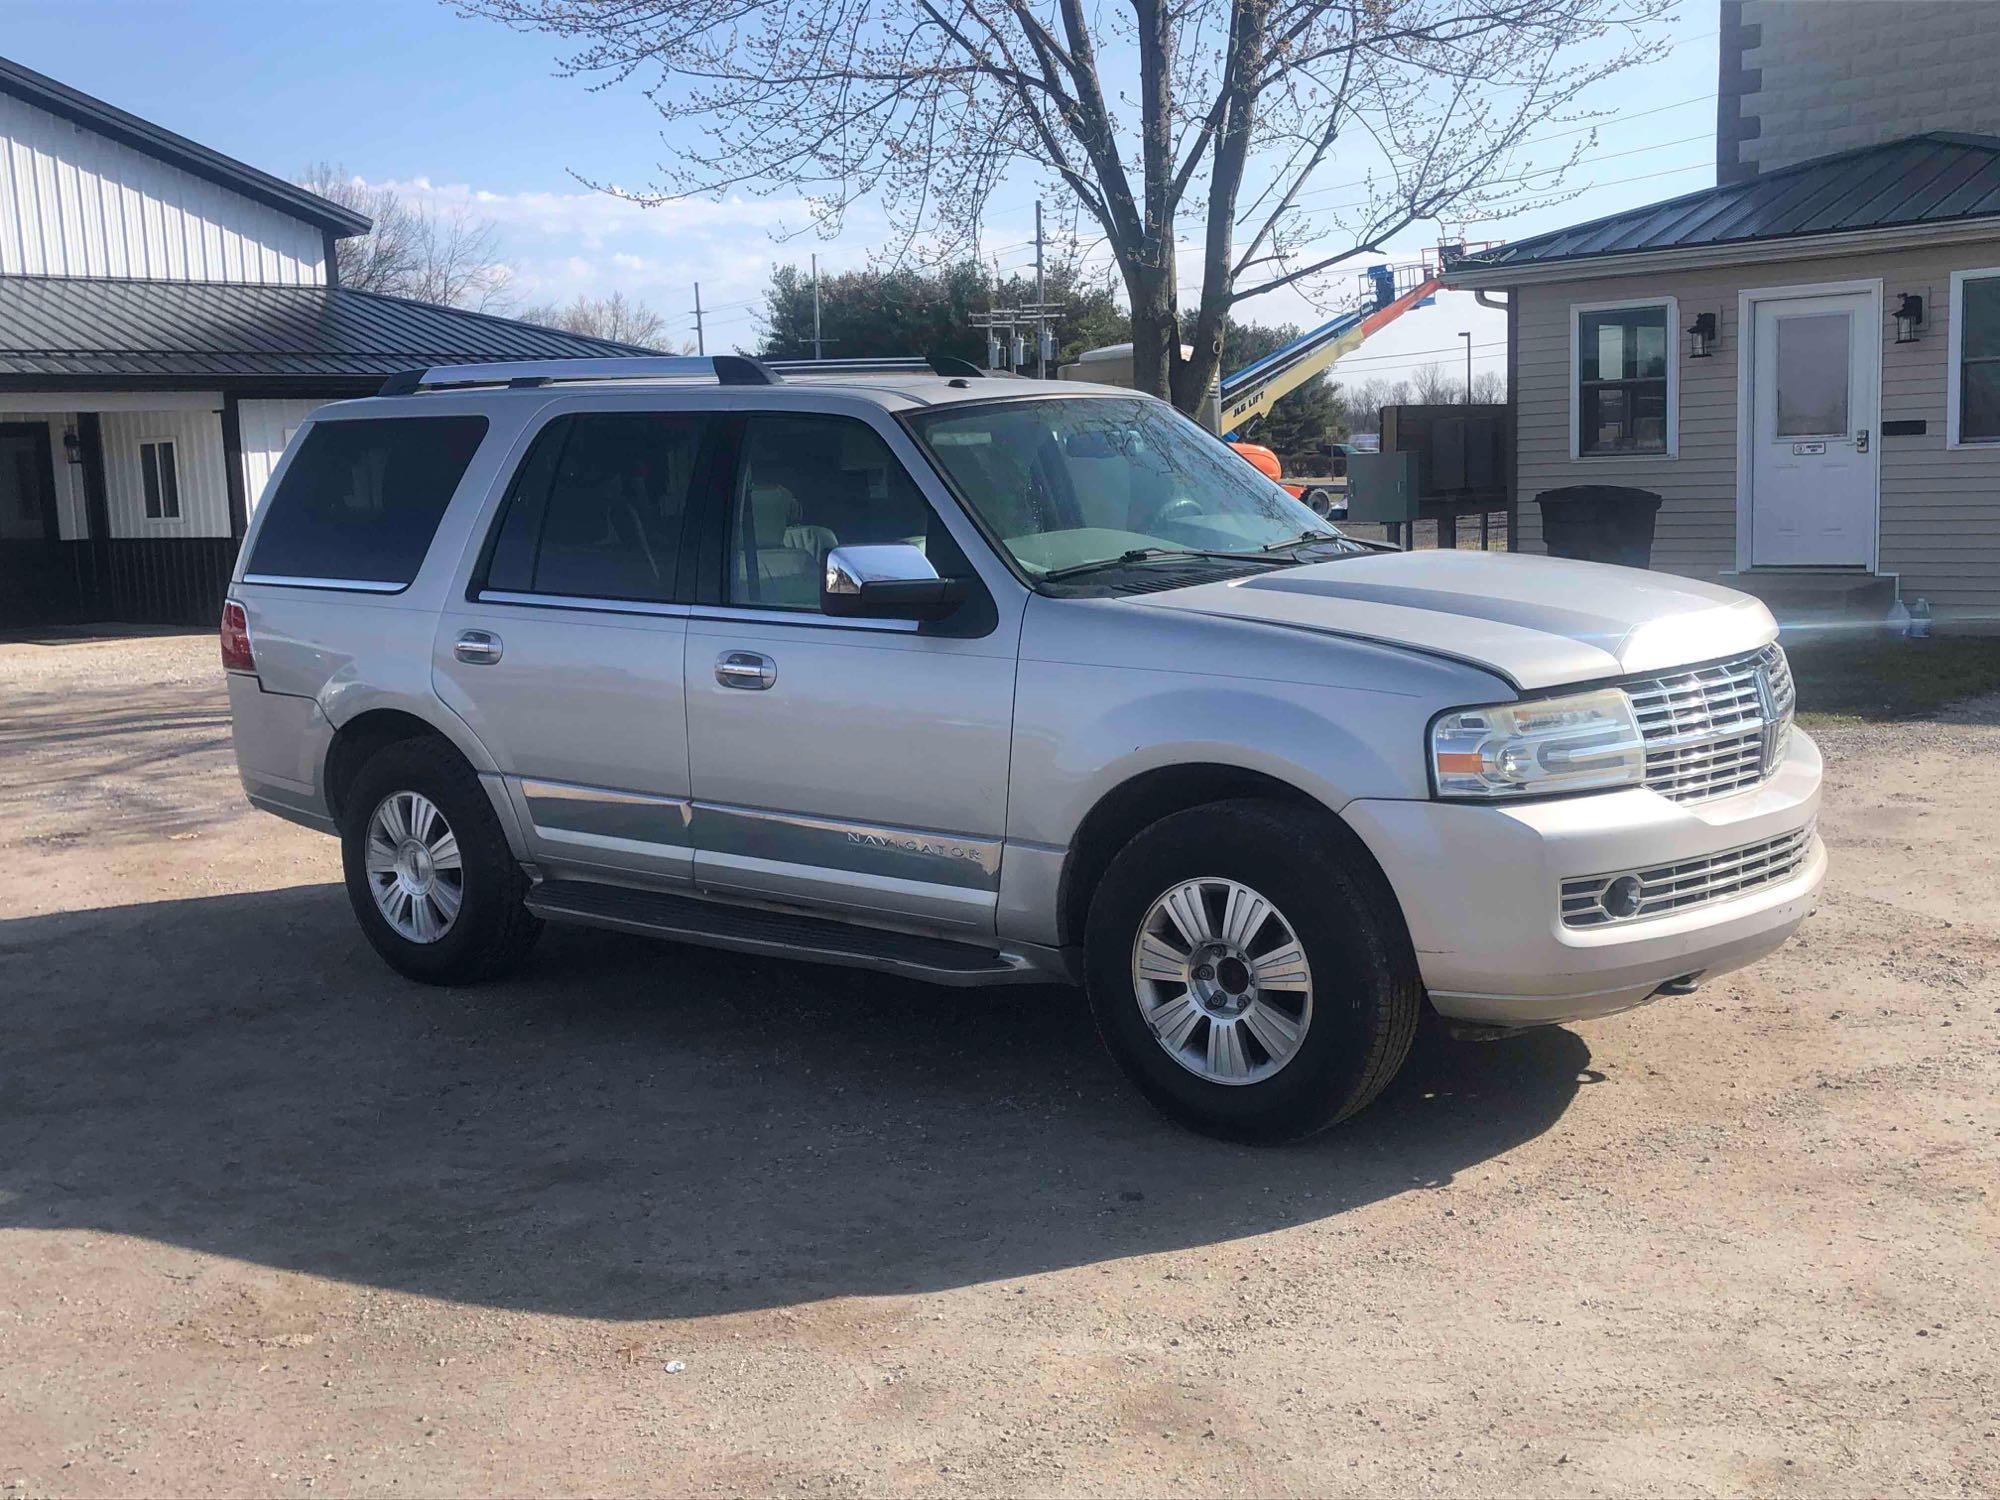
(429, 873)
(1246, 976)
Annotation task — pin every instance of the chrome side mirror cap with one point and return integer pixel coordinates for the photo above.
(889, 582)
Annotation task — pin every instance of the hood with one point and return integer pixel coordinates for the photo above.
(1538, 622)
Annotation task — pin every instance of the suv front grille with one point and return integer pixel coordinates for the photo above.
(1713, 730)
(1589, 901)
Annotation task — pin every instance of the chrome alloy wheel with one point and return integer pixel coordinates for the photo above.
(414, 868)
(1222, 981)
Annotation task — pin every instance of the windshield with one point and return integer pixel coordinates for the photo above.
(1081, 482)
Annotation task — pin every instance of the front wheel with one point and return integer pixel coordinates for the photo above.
(1247, 977)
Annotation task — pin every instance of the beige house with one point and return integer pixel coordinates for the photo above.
(1805, 365)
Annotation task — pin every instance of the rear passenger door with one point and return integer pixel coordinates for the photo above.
(862, 767)
(566, 655)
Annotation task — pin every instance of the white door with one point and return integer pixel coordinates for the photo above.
(1813, 412)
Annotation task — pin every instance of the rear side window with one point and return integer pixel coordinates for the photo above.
(362, 500)
(598, 506)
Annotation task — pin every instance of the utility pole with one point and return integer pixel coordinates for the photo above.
(1462, 333)
(816, 339)
(1041, 341)
(700, 339)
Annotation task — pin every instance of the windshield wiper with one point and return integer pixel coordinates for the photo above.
(1149, 554)
(1303, 538)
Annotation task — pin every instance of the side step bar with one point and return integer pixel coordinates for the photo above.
(750, 929)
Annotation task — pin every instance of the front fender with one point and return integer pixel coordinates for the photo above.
(1082, 731)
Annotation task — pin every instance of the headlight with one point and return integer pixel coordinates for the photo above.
(1580, 743)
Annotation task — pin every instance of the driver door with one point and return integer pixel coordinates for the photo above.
(853, 765)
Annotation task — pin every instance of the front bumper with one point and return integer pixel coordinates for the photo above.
(1480, 889)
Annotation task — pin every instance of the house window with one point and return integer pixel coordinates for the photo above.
(1973, 400)
(162, 480)
(1624, 398)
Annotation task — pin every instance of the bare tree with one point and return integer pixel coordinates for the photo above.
(447, 255)
(1437, 385)
(1361, 404)
(616, 317)
(1218, 114)
(1444, 385)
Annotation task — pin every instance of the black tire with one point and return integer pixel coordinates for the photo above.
(1366, 993)
(492, 931)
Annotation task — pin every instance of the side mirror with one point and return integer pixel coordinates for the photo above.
(892, 582)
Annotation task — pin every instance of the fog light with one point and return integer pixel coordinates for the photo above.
(1621, 897)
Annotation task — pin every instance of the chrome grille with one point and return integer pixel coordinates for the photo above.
(1692, 882)
(1718, 729)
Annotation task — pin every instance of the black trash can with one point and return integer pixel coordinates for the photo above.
(1609, 523)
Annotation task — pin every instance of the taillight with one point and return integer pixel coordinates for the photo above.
(236, 655)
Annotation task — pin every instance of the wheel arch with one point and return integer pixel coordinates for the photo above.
(1144, 799)
(362, 737)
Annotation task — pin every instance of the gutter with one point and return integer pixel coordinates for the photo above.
(1469, 276)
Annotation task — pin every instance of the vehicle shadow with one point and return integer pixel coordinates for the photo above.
(635, 1130)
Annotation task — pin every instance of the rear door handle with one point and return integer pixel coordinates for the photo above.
(477, 648)
(745, 669)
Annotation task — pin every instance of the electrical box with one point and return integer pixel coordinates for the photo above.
(1382, 487)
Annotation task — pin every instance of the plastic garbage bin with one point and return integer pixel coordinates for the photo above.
(1609, 523)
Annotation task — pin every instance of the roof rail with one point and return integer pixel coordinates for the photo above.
(724, 369)
(935, 364)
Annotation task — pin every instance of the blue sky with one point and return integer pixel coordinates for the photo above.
(410, 93)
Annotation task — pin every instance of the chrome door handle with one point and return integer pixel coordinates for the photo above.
(1861, 441)
(477, 648)
(745, 669)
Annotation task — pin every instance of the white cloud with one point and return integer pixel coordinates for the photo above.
(558, 245)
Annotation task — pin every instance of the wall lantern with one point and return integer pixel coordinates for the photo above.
(72, 446)
(1701, 336)
(1909, 317)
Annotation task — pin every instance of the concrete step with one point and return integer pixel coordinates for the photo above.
(1798, 595)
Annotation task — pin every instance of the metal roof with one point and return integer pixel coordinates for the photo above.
(1937, 178)
(81, 326)
(44, 92)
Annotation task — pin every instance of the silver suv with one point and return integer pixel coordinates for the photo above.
(984, 681)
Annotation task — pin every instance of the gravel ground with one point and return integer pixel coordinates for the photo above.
(273, 1221)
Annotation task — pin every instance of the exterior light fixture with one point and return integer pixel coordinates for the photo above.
(72, 445)
(1701, 336)
(1909, 317)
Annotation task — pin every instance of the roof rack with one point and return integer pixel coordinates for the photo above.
(724, 369)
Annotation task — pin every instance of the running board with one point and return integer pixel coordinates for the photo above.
(750, 929)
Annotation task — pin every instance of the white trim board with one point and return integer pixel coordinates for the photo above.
(1954, 342)
(78, 401)
(1737, 253)
(1746, 410)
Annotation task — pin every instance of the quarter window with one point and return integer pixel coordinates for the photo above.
(808, 484)
(1623, 369)
(1975, 354)
(597, 508)
(160, 479)
(361, 500)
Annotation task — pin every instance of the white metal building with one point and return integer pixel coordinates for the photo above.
(167, 318)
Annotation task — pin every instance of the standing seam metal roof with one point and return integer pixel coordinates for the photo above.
(1934, 178)
(59, 325)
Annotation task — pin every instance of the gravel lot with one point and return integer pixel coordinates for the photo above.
(273, 1221)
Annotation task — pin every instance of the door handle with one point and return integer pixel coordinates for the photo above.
(745, 669)
(477, 648)
(1861, 441)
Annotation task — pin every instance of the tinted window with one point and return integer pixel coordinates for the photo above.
(362, 500)
(596, 510)
(807, 485)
